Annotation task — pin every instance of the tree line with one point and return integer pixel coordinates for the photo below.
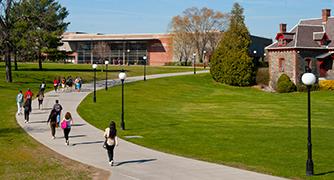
(223, 36)
(30, 29)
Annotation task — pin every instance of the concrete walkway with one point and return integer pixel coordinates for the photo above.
(132, 162)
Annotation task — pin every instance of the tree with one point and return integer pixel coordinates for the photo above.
(198, 25)
(5, 26)
(102, 50)
(231, 63)
(40, 27)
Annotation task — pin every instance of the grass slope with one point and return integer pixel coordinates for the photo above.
(21, 157)
(242, 127)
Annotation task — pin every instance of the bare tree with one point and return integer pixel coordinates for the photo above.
(102, 51)
(201, 25)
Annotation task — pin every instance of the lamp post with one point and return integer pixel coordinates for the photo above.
(204, 61)
(106, 63)
(94, 68)
(194, 60)
(309, 79)
(128, 56)
(145, 67)
(122, 77)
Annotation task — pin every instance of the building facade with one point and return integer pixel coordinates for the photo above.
(309, 45)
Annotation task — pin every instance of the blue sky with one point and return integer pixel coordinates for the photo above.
(153, 16)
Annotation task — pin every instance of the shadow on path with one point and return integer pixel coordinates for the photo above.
(135, 161)
(76, 136)
(91, 142)
(33, 122)
(78, 124)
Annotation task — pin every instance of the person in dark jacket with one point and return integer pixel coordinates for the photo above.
(53, 122)
(27, 110)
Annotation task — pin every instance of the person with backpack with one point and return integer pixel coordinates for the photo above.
(66, 126)
(110, 134)
(27, 110)
(40, 97)
(19, 102)
(53, 123)
(28, 97)
(58, 108)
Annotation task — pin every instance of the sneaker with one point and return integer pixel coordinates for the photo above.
(53, 137)
(111, 163)
(68, 143)
(25, 121)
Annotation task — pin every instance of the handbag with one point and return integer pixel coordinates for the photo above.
(63, 124)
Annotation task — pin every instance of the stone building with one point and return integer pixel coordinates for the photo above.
(310, 43)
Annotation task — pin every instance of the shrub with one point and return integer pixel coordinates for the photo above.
(285, 85)
(262, 76)
(326, 84)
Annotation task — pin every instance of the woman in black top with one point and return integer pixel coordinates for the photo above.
(53, 122)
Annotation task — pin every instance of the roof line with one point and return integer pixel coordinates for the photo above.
(296, 37)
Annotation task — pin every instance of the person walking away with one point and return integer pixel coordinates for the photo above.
(27, 111)
(110, 134)
(28, 97)
(66, 126)
(40, 97)
(19, 102)
(55, 84)
(63, 81)
(42, 87)
(53, 123)
(58, 108)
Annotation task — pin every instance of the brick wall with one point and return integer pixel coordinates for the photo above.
(160, 51)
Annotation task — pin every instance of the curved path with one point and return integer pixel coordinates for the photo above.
(132, 162)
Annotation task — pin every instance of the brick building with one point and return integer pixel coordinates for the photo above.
(310, 43)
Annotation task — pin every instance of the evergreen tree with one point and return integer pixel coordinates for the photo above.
(231, 63)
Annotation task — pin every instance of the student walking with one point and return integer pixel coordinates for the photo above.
(55, 84)
(27, 110)
(110, 134)
(19, 102)
(42, 87)
(28, 97)
(40, 97)
(53, 123)
(66, 126)
(58, 108)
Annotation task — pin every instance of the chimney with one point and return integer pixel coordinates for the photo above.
(282, 28)
(325, 14)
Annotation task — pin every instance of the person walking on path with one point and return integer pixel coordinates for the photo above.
(42, 87)
(19, 102)
(58, 108)
(55, 84)
(110, 134)
(27, 110)
(53, 123)
(28, 97)
(40, 97)
(66, 126)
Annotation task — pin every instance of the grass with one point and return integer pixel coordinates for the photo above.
(21, 157)
(195, 117)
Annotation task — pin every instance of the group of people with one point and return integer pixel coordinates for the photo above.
(67, 83)
(24, 102)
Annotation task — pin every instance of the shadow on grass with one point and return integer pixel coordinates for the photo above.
(324, 173)
(8, 131)
(135, 161)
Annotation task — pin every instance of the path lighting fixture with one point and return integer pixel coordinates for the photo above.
(309, 79)
(254, 51)
(145, 58)
(94, 68)
(194, 62)
(122, 77)
(106, 63)
(128, 56)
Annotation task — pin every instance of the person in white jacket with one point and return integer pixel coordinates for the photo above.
(110, 134)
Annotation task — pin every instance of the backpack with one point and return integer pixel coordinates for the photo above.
(57, 107)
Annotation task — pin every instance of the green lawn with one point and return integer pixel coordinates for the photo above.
(242, 127)
(21, 157)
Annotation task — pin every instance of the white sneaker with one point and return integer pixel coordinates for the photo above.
(25, 121)
(111, 163)
(53, 137)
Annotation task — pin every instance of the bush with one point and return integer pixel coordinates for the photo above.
(326, 84)
(262, 76)
(285, 85)
(302, 87)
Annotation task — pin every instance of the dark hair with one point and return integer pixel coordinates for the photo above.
(112, 129)
(68, 115)
(57, 101)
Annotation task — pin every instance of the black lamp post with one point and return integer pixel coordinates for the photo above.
(145, 67)
(122, 77)
(106, 63)
(194, 60)
(309, 79)
(94, 67)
